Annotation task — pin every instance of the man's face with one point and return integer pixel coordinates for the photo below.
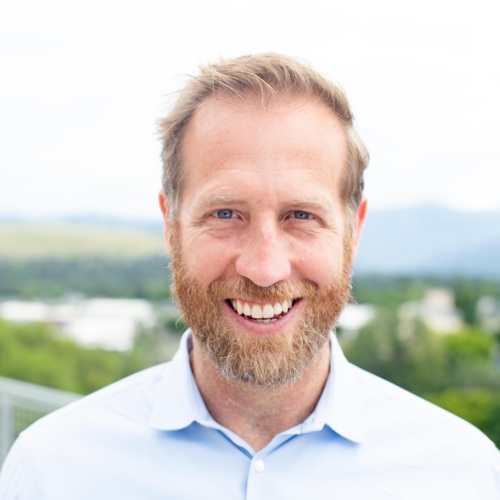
(261, 256)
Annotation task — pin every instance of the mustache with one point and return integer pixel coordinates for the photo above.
(241, 287)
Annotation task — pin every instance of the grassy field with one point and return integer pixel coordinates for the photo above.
(33, 241)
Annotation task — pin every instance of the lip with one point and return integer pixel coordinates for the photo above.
(255, 328)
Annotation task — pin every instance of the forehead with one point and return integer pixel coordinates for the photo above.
(295, 114)
(261, 139)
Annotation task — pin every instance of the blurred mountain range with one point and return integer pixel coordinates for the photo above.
(419, 240)
(432, 240)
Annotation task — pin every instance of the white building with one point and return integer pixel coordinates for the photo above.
(100, 322)
(24, 311)
(488, 314)
(436, 310)
(353, 318)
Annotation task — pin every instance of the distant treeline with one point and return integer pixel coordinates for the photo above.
(459, 371)
(149, 278)
(146, 277)
(390, 291)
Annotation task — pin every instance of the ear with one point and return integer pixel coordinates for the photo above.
(165, 210)
(360, 219)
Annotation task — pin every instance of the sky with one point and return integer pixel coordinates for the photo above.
(83, 83)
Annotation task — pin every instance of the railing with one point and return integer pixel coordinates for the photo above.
(21, 404)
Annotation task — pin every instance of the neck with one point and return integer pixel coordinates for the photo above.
(259, 414)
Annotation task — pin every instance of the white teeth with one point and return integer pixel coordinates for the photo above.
(256, 312)
(268, 311)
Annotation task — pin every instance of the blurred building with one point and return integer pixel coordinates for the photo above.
(488, 314)
(437, 311)
(24, 311)
(100, 322)
(353, 318)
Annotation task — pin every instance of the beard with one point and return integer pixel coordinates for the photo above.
(261, 361)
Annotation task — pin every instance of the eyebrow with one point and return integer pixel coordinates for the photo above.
(311, 204)
(218, 199)
(221, 199)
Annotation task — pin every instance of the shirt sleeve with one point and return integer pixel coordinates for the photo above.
(13, 478)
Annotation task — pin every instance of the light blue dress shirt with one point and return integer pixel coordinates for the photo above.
(150, 436)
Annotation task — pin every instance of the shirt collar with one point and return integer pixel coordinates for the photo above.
(178, 402)
(341, 406)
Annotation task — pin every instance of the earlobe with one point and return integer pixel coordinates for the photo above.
(165, 210)
(360, 219)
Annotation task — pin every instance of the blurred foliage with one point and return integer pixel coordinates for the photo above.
(458, 371)
(398, 356)
(480, 407)
(390, 291)
(36, 353)
(101, 276)
(39, 354)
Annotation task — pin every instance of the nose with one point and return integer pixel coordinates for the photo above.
(264, 256)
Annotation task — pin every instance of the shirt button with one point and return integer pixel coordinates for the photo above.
(259, 466)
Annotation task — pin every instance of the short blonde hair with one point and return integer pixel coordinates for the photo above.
(273, 77)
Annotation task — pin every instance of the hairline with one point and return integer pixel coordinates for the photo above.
(273, 78)
(269, 98)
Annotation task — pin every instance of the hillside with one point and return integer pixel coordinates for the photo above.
(419, 240)
(23, 241)
(431, 240)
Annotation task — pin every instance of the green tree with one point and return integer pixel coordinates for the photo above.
(480, 407)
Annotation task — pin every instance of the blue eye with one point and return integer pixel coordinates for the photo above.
(299, 214)
(224, 214)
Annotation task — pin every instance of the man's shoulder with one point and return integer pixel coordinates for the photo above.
(395, 411)
(94, 437)
(129, 398)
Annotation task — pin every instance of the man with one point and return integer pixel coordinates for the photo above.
(263, 208)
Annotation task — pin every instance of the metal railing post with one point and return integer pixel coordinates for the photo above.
(22, 403)
(6, 425)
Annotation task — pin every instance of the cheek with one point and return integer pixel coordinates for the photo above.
(207, 259)
(321, 262)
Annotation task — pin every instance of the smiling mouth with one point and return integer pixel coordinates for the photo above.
(262, 313)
